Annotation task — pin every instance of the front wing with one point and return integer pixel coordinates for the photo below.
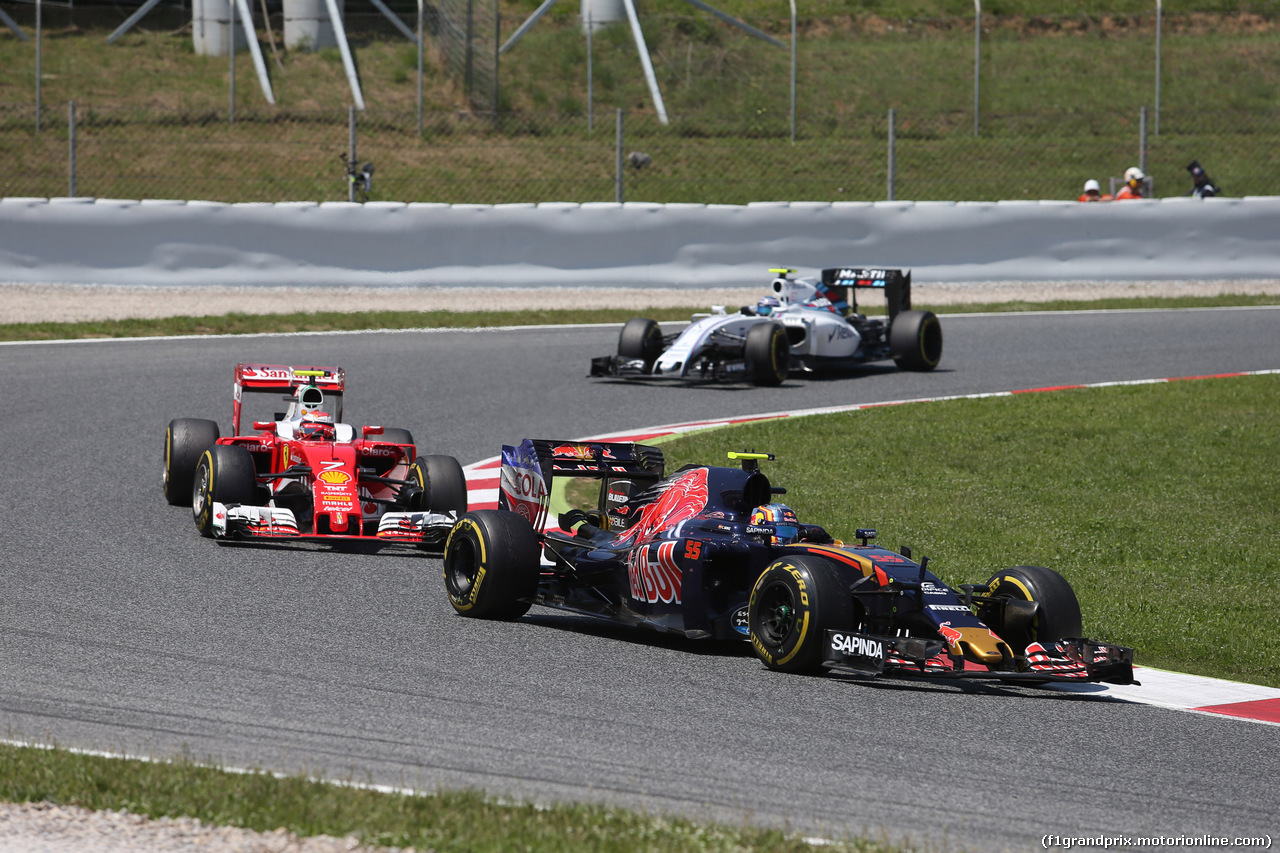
(715, 365)
(1075, 659)
(261, 523)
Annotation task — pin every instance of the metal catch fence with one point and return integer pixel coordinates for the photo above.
(278, 155)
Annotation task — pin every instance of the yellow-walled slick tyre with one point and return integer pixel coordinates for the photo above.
(794, 602)
(492, 561)
(225, 475)
(1057, 612)
(768, 354)
(184, 440)
(915, 340)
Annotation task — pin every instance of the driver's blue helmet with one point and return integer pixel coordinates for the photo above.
(766, 305)
(783, 519)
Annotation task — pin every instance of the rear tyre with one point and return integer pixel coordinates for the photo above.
(395, 435)
(793, 604)
(915, 340)
(491, 565)
(641, 338)
(1057, 611)
(768, 354)
(442, 487)
(184, 440)
(225, 475)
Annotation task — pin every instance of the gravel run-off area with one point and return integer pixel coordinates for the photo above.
(43, 303)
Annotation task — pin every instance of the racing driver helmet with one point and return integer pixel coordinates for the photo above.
(783, 519)
(318, 426)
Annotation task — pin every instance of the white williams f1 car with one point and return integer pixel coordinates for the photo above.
(803, 324)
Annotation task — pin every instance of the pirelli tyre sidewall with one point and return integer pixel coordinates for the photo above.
(225, 475)
(915, 340)
(794, 602)
(184, 440)
(1057, 611)
(767, 352)
(641, 338)
(492, 561)
(442, 486)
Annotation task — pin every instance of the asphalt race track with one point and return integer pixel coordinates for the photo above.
(122, 630)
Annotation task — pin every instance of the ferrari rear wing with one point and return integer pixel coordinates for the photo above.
(896, 285)
(529, 469)
(284, 379)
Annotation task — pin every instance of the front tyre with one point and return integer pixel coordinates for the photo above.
(441, 485)
(225, 475)
(641, 338)
(915, 340)
(184, 440)
(1057, 611)
(768, 354)
(491, 565)
(793, 605)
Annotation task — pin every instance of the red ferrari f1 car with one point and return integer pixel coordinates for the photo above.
(706, 552)
(307, 475)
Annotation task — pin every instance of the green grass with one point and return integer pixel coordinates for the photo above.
(447, 821)
(153, 116)
(322, 321)
(1157, 502)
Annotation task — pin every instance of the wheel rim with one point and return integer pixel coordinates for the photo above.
(201, 489)
(781, 353)
(462, 568)
(777, 614)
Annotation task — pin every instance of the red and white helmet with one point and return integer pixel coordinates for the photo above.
(317, 425)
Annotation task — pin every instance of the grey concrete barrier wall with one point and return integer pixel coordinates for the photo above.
(102, 241)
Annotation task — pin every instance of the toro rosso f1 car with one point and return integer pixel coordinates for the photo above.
(706, 552)
(305, 474)
(803, 324)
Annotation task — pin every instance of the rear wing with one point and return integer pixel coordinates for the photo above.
(530, 468)
(283, 379)
(896, 285)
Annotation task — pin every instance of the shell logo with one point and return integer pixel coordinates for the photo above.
(335, 478)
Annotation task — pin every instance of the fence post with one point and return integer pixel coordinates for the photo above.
(618, 153)
(591, 93)
(39, 75)
(977, 59)
(497, 52)
(351, 145)
(1158, 28)
(231, 51)
(892, 144)
(793, 71)
(420, 49)
(1142, 142)
(71, 146)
